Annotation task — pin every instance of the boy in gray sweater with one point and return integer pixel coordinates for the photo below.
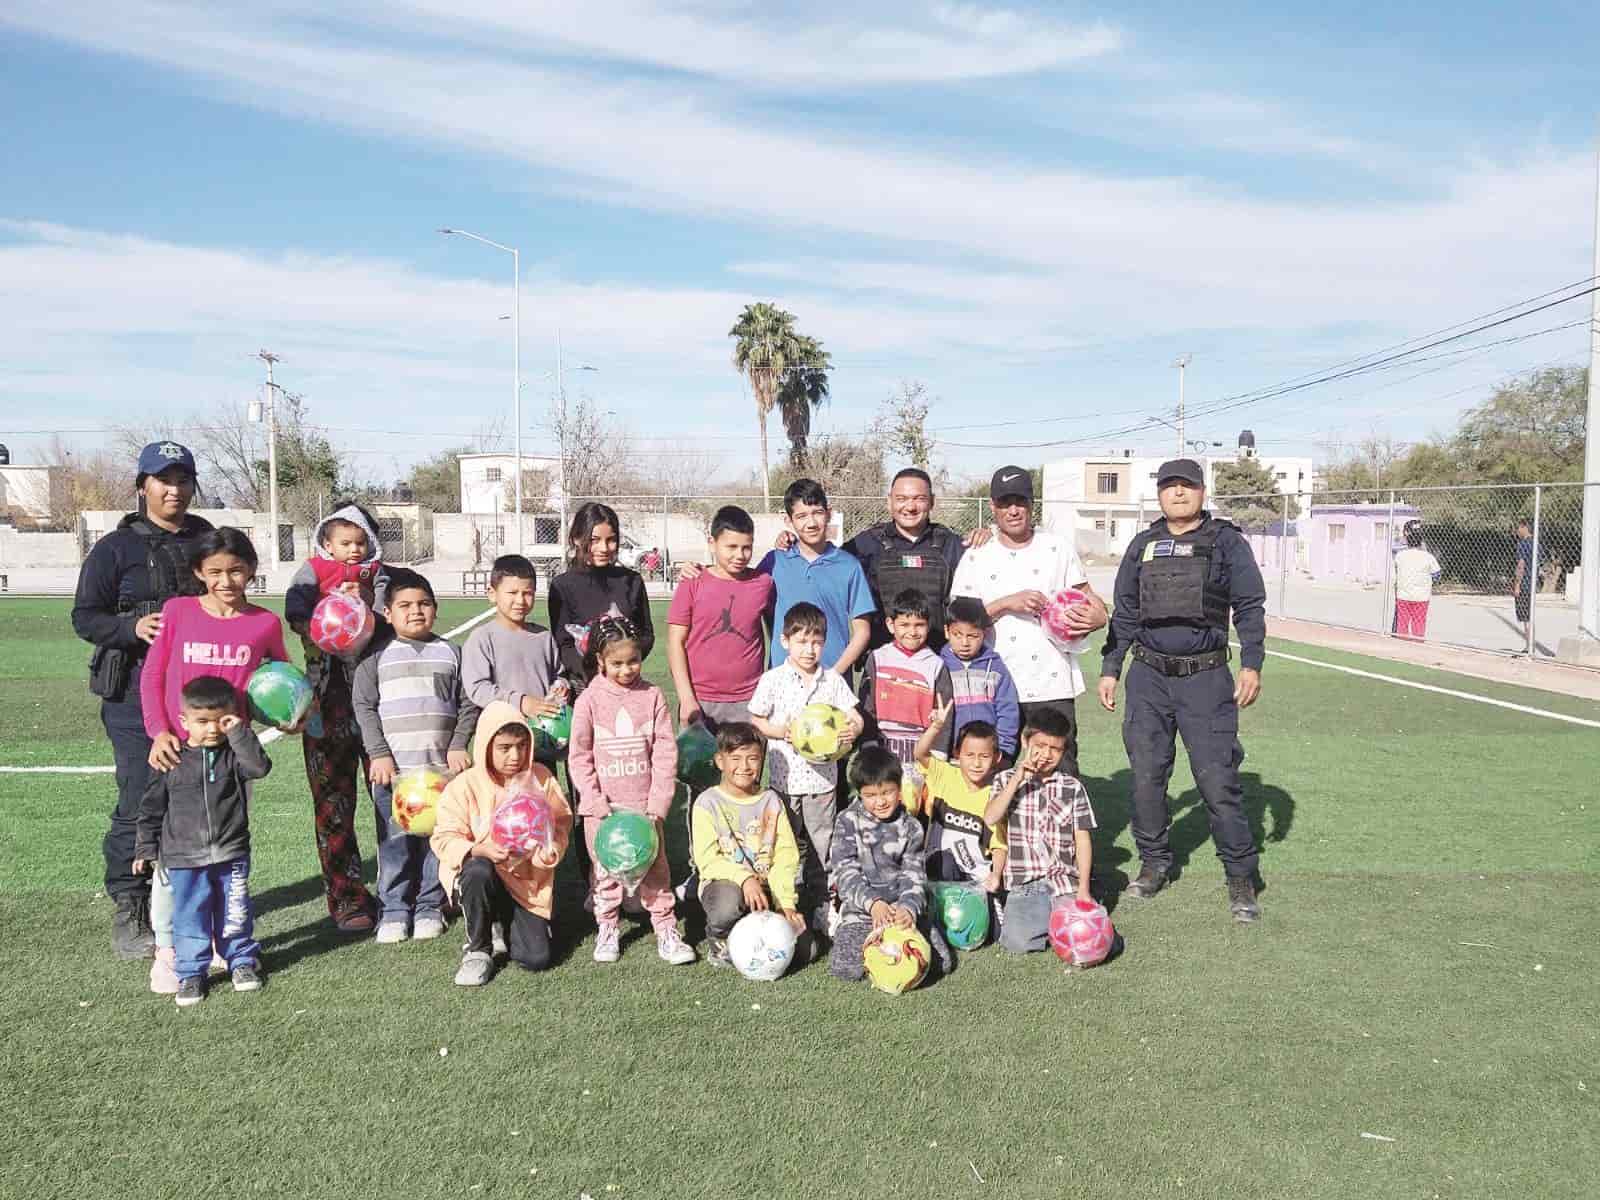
(509, 657)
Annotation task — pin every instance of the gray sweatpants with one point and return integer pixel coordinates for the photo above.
(811, 816)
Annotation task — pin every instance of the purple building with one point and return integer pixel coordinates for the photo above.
(1353, 543)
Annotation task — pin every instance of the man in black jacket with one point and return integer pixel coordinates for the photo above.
(909, 551)
(126, 578)
(194, 821)
(1176, 585)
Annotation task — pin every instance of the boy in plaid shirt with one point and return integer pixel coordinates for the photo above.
(1048, 818)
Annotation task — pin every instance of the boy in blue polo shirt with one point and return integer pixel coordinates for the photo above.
(814, 570)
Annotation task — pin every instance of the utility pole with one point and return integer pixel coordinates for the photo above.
(272, 455)
(1586, 646)
(561, 440)
(1182, 363)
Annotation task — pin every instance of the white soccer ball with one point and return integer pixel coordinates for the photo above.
(761, 945)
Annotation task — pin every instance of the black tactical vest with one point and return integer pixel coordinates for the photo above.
(922, 568)
(167, 560)
(1176, 583)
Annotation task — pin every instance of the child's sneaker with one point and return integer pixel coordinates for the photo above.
(428, 927)
(247, 978)
(717, 952)
(391, 932)
(475, 969)
(608, 943)
(673, 949)
(497, 934)
(164, 972)
(191, 991)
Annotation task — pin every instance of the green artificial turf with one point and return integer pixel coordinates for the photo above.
(1425, 972)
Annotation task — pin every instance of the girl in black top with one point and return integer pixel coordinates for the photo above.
(595, 585)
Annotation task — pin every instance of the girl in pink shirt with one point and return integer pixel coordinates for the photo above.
(622, 755)
(219, 633)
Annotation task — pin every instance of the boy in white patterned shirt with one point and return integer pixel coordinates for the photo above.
(807, 788)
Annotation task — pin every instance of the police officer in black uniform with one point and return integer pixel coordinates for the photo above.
(909, 551)
(1176, 585)
(126, 578)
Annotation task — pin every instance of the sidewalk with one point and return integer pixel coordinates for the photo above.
(1543, 675)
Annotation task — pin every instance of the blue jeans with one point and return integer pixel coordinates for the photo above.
(1027, 923)
(408, 873)
(212, 904)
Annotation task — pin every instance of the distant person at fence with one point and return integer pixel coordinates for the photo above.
(125, 579)
(218, 634)
(808, 788)
(513, 658)
(1415, 573)
(1176, 585)
(716, 627)
(1523, 576)
(1015, 575)
(194, 832)
(331, 743)
(506, 900)
(412, 706)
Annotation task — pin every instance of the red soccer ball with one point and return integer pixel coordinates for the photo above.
(341, 624)
(1053, 618)
(523, 823)
(1081, 933)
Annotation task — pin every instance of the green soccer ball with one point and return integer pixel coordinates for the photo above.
(817, 733)
(963, 911)
(556, 728)
(625, 845)
(280, 694)
(697, 749)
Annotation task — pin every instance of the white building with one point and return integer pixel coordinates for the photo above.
(488, 481)
(1103, 500)
(30, 494)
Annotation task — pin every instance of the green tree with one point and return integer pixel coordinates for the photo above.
(1246, 494)
(436, 482)
(804, 386)
(765, 348)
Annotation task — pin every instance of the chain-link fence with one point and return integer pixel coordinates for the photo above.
(1491, 567)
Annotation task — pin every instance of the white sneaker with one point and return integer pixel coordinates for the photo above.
(608, 943)
(497, 933)
(425, 929)
(674, 949)
(475, 969)
(391, 932)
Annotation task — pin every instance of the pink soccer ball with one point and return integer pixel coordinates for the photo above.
(341, 624)
(522, 824)
(1053, 618)
(1081, 933)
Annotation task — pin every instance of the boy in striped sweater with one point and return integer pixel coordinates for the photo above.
(413, 710)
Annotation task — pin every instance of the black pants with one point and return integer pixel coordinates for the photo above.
(1201, 708)
(484, 900)
(1068, 709)
(130, 747)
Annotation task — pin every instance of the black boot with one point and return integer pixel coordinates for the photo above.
(1150, 882)
(131, 935)
(1242, 900)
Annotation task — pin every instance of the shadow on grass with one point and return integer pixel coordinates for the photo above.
(1191, 827)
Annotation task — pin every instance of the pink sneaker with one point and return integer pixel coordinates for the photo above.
(164, 972)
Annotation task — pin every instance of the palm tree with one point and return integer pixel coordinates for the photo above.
(803, 387)
(764, 350)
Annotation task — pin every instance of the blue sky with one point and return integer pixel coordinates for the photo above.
(1030, 209)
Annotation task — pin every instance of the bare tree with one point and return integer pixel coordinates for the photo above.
(902, 424)
(597, 447)
(92, 479)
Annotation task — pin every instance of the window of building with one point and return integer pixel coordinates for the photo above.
(1335, 532)
(1283, 475)
(1099, 526)
(491, 474)
(1105, 483)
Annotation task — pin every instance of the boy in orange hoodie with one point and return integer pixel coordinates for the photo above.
(489, 883)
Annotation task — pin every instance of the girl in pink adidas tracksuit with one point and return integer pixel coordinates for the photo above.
(622, 755)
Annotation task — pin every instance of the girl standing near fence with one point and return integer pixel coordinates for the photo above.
(1415, 573)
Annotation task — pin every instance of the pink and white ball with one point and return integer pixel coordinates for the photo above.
(341, 624)
(1054, 619)
(1081, 933)
(522, 823)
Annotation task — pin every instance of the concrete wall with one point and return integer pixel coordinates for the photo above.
(28, 549)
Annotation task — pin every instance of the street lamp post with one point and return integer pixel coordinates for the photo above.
(1182, 363)
(272, 458)
(516, 362)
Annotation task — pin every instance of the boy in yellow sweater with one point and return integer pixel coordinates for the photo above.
(744, 849)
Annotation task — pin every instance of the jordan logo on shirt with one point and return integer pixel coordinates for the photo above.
(726, 627)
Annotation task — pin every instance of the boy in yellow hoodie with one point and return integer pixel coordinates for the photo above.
(744, 849)
(489, 883)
